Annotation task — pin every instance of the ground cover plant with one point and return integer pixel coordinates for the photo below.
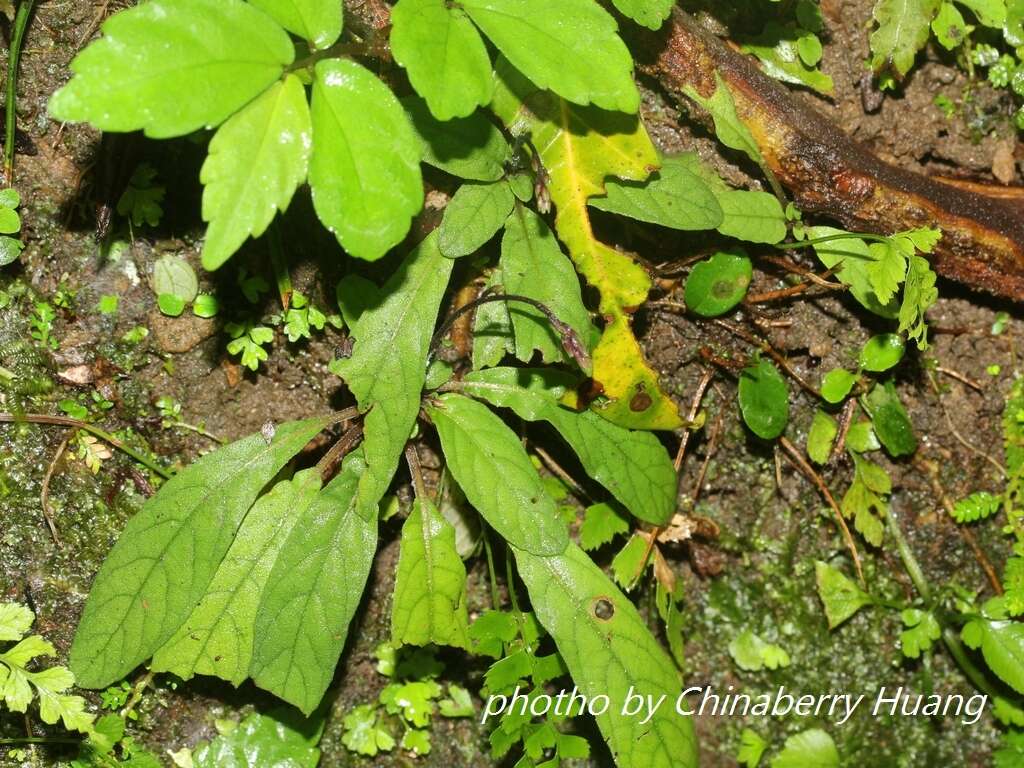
(492, 275)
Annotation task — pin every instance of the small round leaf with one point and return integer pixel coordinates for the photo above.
(174, 276)
(882, 352)
(206, 305)
(837, 385)
(718, 284)
(10, 249)
(170, 304)
(764, 400)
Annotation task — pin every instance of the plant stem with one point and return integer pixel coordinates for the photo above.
(38, 740)
(279, 263)
(67, 421)
(13, 57)
(492, 573)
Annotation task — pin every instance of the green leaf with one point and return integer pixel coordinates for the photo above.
(650, 13)
(10, 221)
(976, 507)
(608, 649)
(821, 437)
(676, 196)
(601, 523)
(387, 369)
(851, 257)
(633, 465)
(882, 352)
(840, 595)
(257, 160)
(752, 747)
(570, 47)
(991, 13)
(364, 171)
(764, 400)
(10, 249)
(447, 62)
(729, 128)
(753, 654)
(533, 265)
(919, 293)
(922, 631)
(837, 385)
(430, 583)
(1002, 644)
(170, 67)
(15, 620)
(280, 738)
(206, 306)
(313, 591)
(949, 26)
(472, 216)
(364, 733)
(174, 276)
(903, 28)
(751, 215)
(218, 637)
(168, 553)
(9, 198)
(810, 749)
(317, 21)
(890, 420)
(789, 54)
(718, 284)
(490, 465)
(493, 337)
(861, 438)
(469, 148)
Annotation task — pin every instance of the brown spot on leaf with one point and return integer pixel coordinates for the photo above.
(603, 608)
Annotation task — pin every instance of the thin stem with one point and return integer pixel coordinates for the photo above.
(492, 573)
(413, 460)
(67, 421)
(13, 58)
(38, 740)
(279, 264)
(829, 238)
(340, 449)
(198, 430)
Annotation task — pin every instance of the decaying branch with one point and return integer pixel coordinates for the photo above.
(828, 172)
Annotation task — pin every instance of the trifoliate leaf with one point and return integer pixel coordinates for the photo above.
(447, 62)
(168, 553)
(839, 594)
(430, 583)
(141, 200)
(170, 67)
(364, 170)
(764, 400)
(570, 47)
(364, 733)
(473, 216)
(316, 21)
(753, 654)
(257, 159)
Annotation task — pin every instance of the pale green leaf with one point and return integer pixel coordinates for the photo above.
(387, 368)
(174, 276)
(608, 649)
(316, 21)
(570, 47)
(430, 583)
(170, 67)
(650, 13)
(472, 216)
(217, 638)
(447, 62)
(850, 257)
(313, 591)
(821, 436)
(15, 620)
(751, 215)
(279, 738)
(364, 170)
(168, 553)
(839, 594)
(533, 265)
(257, 160)
(810, 749)
(491, 466)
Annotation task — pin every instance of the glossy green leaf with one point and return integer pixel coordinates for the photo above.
(168, 553)
(633, 465)
(764, 400)
(430, 583)
(257, 160)
(469, 148)
(676, 196)
(821, 437)
(570, 47)
(313, 591)
(839, 594)
(473, 215)
(170, 67)
(890, 420)
(491, 466)
(10, 249)
(882, 352)
(364, 170)
(716, 285)
(447, 62)
(1001, 642)
(837, 385)
(280, 738)
(533, 265)
(387, 368)
(608, 649)
(217, 638)
(650, 13)
(317, 21)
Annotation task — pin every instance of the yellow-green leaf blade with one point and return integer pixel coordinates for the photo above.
(256, 161)
(430, 584)
(170, 67)
(318, 21)
(168, 553)
(609, 650)
(365, 167)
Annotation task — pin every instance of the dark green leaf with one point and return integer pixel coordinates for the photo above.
(470, 147)
(881, 352)
(718, 284)
(890, 420)
(764, 400)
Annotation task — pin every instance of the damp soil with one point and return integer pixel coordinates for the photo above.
(757, 574)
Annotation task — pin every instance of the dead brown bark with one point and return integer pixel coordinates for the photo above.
(828, 172)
